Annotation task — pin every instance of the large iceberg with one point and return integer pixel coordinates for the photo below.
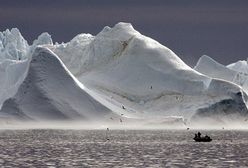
(143, 77)
(117, 72)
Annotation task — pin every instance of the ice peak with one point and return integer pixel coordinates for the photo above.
(12, 45)
(81, 38)
(43, 39)
(121, 31)
(206, 61)
(12, 36)
(240, 66)
(205, 58)
(124, 26)
(15, 32)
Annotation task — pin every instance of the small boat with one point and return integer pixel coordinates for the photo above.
(203, 139)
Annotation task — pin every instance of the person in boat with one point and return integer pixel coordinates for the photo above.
(198, 135)
(205, 138)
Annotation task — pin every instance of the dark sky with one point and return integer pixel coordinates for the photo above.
(191, 28)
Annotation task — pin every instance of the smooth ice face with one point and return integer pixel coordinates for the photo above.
(235, 72)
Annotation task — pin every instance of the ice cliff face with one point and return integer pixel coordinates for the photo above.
(15, 55)
(123, 70)
(12, 45)
(13, 62)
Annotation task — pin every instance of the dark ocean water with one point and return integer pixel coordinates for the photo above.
(132, 148)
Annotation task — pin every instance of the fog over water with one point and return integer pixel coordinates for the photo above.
(125, 124)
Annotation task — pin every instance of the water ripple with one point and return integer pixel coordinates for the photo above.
(80, 148)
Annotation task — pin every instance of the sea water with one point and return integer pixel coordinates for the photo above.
(122, 148)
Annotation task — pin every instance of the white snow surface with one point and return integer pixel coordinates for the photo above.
(119, 69)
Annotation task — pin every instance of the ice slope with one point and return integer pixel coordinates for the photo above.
(142, 77)
(49, 92)
(210, 67)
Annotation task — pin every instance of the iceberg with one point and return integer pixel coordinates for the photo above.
(118, 72)
(128, 69)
